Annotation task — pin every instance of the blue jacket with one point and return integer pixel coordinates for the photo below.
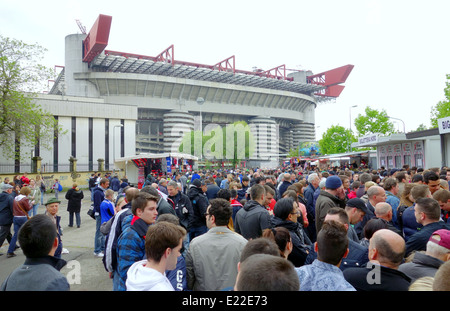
(418, 241)
(115, 184)
(410, 225)
(99, 196)
(130, 248)
(177, 276)
(309, 196)
(394, 202)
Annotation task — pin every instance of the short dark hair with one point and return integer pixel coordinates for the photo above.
(389, 183)
(36, 236)
(417, 178)
(430, 175)
(140, 201)
(269, 189)
(259, 246)
(151, 190)
(283, 208)
(224, 194)
(332, 242)
(372, 226)
(256, 191)
(430, 207)
(161, 236)
(262, 272)
(221, 210)
(343, 217)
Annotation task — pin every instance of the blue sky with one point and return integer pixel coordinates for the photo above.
(399, 48)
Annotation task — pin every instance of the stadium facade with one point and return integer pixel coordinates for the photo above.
(115, 104)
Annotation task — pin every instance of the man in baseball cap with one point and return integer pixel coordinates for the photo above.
(426, 264)
(356, 209)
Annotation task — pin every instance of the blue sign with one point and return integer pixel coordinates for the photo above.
(169, 165)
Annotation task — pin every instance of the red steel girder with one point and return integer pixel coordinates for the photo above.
(227, 65)
(97, 38)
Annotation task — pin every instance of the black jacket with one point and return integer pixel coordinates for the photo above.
(251, 220)
(74, 200)
(301, 245)
(200, 204)
(6, 209)
(183, 209)
(374, 277)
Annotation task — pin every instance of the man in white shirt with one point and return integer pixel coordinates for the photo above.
(166, 240)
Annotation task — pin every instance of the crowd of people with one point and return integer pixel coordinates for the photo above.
(282, 229)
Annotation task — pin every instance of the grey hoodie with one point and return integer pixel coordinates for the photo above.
(251, 220)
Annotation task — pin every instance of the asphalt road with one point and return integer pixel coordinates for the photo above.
(84, 271)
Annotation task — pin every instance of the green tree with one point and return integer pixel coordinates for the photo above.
(336, 140)
(23, 123)
(372, 122)
(234, 142)
(442, 108)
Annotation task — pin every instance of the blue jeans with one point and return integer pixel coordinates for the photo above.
(99, 245)
(77, 219)
(32, 212)
(18, 222)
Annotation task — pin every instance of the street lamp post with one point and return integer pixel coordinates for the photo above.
(200, 102)
(350, 115)
(114, 143)
(404, 130)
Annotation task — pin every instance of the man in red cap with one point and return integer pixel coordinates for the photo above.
(426, 264)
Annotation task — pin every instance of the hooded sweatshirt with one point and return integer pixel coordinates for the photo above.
(21, 205)
(141, 278)
(251, 220)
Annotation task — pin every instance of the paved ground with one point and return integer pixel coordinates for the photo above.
(84, 271)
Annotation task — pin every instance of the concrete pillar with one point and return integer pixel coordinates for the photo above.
(176, 124)
(101, 165)
(266, 134)
(73, 164)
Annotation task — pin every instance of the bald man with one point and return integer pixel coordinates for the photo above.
(386, 252)
(383, 210)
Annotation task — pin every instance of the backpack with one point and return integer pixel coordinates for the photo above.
(115, 229)
(60, 187)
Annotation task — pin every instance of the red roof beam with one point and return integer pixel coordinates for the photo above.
(227, 65)
(331, 77)
(276, 73)
(130, 55)
(97, 38)
(166, 56)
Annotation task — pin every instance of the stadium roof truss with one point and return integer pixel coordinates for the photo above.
(323, 86)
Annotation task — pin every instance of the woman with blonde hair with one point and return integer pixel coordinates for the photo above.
(406, 200)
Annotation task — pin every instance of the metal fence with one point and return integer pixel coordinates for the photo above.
(46, 168)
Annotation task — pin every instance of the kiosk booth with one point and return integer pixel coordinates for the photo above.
(137, 167)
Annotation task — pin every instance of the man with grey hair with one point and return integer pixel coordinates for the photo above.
(6, 212)
(181, 204)
(308, 193)
(375, 195)
(162, 186)
(426, 264)
(284, 185)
